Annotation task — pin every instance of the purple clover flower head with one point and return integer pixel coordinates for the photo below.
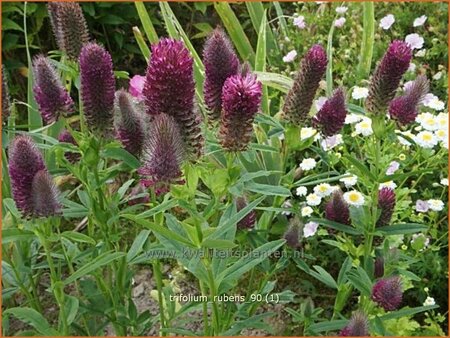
(6, 100)
(220, 62)
(358, 326)
(379, 267)
(422, 206)
(292, 236)
(386, 203)
(44, 195)
(387, 76)
(404, 109)
(241, 98)
(162, 155)
(300, 98)
(129, 123)
(387, 293)
(249, 220)
(69, 26)
(66, 137)
(49, 92)
(97, 87)
(170, 89)
(331, 117)
(337, 209)
(25, 161)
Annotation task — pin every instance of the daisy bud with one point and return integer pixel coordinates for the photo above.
(387, 293)
(6, 100)
(220, 62)
(300, 98)
(358, 326)
(129, 124)
(66, 137)
(249, 220)
(69, 27)
(170, 89)
(44, 195)
(162, 154)
(337, 209)
(241, 98)
(331, 117)
(25, 161)
(387, 76)
(379, 267)
(404, 109)
(49, 92)
(386, 203)
(97, 86)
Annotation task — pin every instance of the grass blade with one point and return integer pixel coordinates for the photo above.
(257, 13)
(260, 60)
(365, 58)
(149, 30)
(141, 43)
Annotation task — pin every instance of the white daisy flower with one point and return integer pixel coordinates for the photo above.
(353, 118)
(341, 9)
(364, 127)
(360, 93)
(349, 181)
(354, 198)
(433, 102)
(313, 199)
(442, 120)
(402, 140)
(308, 132)
(442, 135)
(308, 164)
(387, 21)
(426, 139)
(412, 67)
(419, 21)
(301, 191)
(429, 301)
(310, 229)
(444, 181)
(436, 205)
(307, 211)
(323, 190)
(421, 53)
(414, 40)
(437, 76)
(388, 184)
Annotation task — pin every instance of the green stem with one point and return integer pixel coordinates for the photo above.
(213, 292)
(159, 286)
(205, 310)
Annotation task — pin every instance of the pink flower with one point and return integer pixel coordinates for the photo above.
(137, 83)
(393, 167)
(387, 21)
(300, 22)
(310, 229)
(339, 22)
(415, 41)
(422, 206)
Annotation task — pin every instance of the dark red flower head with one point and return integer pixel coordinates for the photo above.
(66, 137)
(331, 117)
(386, 203)
(6, 100)
(44, 195)
(249, 220)
(220, 62)
(387, 76)
(241, 98)
(49, 92)
(358, 326)
(387, 293)
(300, 98)
(337, 209)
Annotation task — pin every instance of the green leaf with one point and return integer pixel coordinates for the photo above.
(260, 59)
(361, 167)
(256, 13)
(407, 312)
(15, 235)
(166, 205)
(235, 31)
(122, 155)
(325, 277)
(78, 237)
(149, 29)
(402, 229)
(8, 24)
(365, 57)
(360, 280)
(218, 244)
(145, 50)
(137, 245)
(329, 71)
(248, 262)
(274, 80)
(267, 189)
(336, 226)
(93, 265)
(71, 308)
(33, 318)
(328, 326)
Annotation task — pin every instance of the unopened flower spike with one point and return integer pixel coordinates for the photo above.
(97, 87)
(387, 76)
(66, 137)
(337, 209)
(358, 326)
(300, 97)
(220, 62)
(387, 293)
(44, 195)
(69, 27)
(49, 92)
(6, 100)
(170, 89)
(386, 203)
(331, 117)
(129, 123)
(249, 220)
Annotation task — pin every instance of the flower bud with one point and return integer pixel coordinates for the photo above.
(331, 117)
(386, 203)
(44, 195)
(6, 100)
(249, 220)
(337, 209)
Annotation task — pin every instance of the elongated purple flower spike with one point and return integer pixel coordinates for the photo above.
(404, 109)
(331, 117)
(358, 326)
(378, 270)
(169, 88)
(249, 220)
(6, 100)
(66, 137)
(387, 76)
(69, 27)
(130, 125)
(386, 203)
(97, 87)
(49, 92)
(25, 161)
(44, 195)
(220, 62)
(387, 293)
(337, 209)
(162, 155)
(300, 98)
(241, 97)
